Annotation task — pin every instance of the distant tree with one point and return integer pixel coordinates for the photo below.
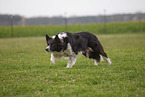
(6, 19)
(19, 20)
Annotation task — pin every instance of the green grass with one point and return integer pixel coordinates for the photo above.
(41, 30)
(25, 69)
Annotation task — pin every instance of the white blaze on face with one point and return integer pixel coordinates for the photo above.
(48, 48)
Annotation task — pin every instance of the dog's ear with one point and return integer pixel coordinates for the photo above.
(47, 38)
(57, 38)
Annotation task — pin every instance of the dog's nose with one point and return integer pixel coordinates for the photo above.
(46, 49)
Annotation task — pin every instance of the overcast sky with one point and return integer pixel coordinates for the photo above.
(30, 8)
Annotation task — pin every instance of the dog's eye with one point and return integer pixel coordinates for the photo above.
(52, 44)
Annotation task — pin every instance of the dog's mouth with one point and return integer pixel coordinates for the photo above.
(47, 50)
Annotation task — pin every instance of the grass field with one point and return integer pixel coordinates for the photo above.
(25, 69)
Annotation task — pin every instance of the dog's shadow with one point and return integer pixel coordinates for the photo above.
(80, 64)
(76, 66)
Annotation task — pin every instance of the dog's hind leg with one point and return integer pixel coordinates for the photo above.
(106, 57)
(87, 51)
(96, 58)
(101, 59)
(97, 47)
(108, 60)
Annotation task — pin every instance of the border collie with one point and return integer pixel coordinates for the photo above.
(69, 45)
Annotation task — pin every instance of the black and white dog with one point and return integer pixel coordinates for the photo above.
(69, 45)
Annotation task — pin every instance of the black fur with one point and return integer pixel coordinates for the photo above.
(85, 40)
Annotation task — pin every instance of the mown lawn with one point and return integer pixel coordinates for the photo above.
(25, 69)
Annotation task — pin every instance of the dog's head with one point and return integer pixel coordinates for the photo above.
(55, 44)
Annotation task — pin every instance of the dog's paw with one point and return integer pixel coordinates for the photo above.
(68, 66)
(53, 62)
(108, 61)
(101, 59)
(95, 62)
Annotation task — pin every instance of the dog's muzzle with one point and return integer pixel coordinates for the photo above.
(47, 49)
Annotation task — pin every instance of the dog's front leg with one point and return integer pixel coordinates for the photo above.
(52, 58)
(71, 62)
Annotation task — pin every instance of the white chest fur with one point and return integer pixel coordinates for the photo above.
(64, 54)
(68, 53)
